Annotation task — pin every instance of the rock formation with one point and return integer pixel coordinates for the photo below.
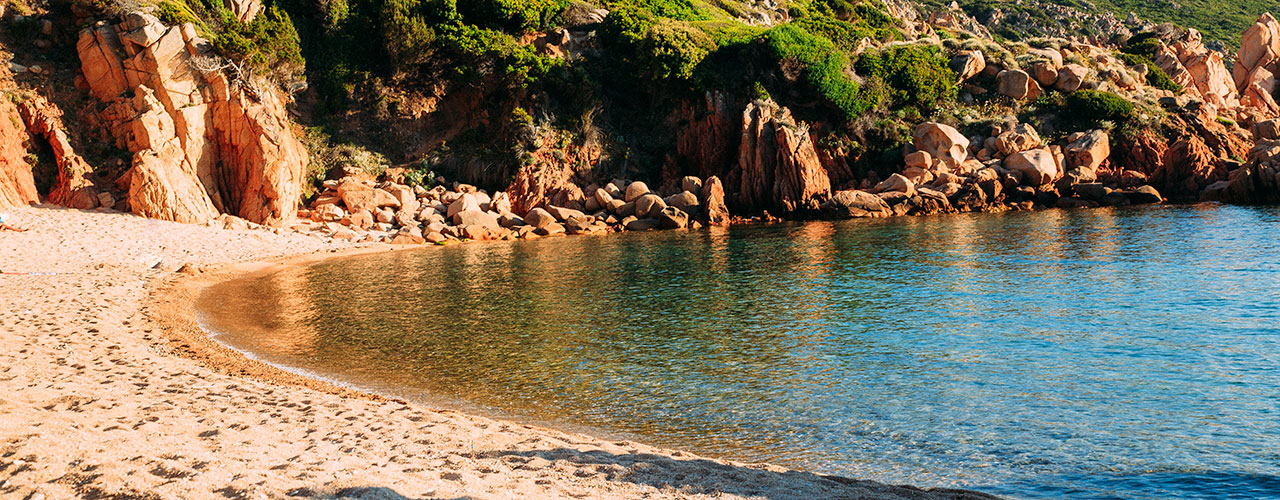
(72, 188)
(1257, 63)
(17, 187)
(779, 167)
(202, 141)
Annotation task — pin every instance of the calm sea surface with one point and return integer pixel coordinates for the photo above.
(1128, 353)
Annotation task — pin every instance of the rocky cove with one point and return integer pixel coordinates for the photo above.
(709, 134)
(205, 141)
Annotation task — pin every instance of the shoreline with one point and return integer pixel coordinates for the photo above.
(100, 397)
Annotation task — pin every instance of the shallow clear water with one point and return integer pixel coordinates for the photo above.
(1129, 353)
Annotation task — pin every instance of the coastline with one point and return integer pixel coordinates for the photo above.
(111, 389)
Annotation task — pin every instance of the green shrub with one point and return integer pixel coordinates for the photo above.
(1098, 105)
(407, 32)
(915, 75)
(269, 43)
(681, 10)
(625, 27)
(1156, 77)
(175, 13)
(513, 15)
(672, 49)
(824, 67)
(843, 34)
(1143, 44)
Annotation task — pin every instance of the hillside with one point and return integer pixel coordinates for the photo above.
(187, 109)
(1220, 22)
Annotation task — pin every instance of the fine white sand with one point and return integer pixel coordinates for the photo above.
(107, 390)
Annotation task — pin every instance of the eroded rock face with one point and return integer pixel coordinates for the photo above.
(779, 165)
(541, 185)
(188, 124)
(1189, 166)
(17, 187)
(72, 189)
(706, 144)
(714, 210)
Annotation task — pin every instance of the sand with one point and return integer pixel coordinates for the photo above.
(107, 390)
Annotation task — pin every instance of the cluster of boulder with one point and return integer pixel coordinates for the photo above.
(362, 210)
(1009, 169)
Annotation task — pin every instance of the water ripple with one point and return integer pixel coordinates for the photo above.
(1128, 353)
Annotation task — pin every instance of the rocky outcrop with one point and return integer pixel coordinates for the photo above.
(203, 142)
(72, 188)
(1200, 70)
(779, 166)
(1256, 65)
(244, 10)
(17, 187)
(539, 185)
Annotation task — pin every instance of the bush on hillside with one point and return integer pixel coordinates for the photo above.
(824, 67)
(680, 10)
(268, 44)
(672, 49)
(513, 15)
(1156, 77)
(915, 75)
(1099, 105)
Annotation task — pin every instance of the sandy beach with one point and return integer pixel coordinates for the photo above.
(108, 390)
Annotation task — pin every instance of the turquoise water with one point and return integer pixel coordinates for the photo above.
(1128, 353)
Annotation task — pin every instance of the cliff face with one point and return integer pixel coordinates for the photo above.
(201, 142)
(17, 187)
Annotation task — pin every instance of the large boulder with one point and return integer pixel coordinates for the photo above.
(1038, 167)
(942, 142)
(852, 203)
(968, 65)
(1018, 139)
(648, 206)
(539, 218)
(635, 190)
(1070, 77)
(1017, 84)
(476, 218)
(714, 211)
(563, 214)
(1088, 151)
(896, 183)
(672, 218)
(358, 196)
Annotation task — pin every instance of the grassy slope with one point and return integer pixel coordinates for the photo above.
(1222, 20)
